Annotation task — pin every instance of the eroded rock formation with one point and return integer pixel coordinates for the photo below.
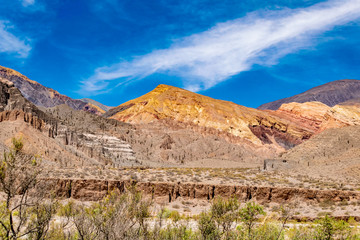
(93, 190)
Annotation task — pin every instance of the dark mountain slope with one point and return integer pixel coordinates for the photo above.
(44, 96)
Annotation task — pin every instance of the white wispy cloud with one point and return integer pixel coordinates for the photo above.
(9, 43)
(205, 59)
(27, 3)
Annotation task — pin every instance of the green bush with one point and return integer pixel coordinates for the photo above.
(249, 215)
(207, 227)
(181, 232)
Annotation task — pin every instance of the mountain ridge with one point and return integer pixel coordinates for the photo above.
(96, 103)
(331, 94)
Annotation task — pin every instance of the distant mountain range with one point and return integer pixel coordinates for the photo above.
(331, 94)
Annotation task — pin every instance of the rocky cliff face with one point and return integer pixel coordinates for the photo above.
(94, 190)
(43, 96)
(13, 105)
(330, 94)
(110, 149)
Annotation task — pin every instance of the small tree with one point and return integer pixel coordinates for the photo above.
(329, 228)
(163, 214)
(325, 229)
(286, 213)
(20, 214)
(249, 215)
(225, 213)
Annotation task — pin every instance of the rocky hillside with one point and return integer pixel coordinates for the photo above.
(12, 103)
(331, 94)
(65, 137)
(284, 128)
(167, 127)
(333, 153)
(236, 123)
(61, 141)
(318, 117)
(351, 102)
(46, 97)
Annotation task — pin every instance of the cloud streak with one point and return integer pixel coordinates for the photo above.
(11, 44)
(27, 3)
(205, 59)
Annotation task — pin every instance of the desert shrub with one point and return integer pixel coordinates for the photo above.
(180, 232)
(219, 221)
(22, 215)
(267, 231)
(225, 213)
(325, 228)
(175, 216)
(115, 217)
(330, 228)
(301, 233)
(207, 227)
(249, 215)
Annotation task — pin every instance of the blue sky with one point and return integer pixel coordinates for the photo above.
(245, 51)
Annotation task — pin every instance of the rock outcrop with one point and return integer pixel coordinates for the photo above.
(13, 106)
(104, 146)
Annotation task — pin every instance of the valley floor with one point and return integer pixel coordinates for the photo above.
(190, 190)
